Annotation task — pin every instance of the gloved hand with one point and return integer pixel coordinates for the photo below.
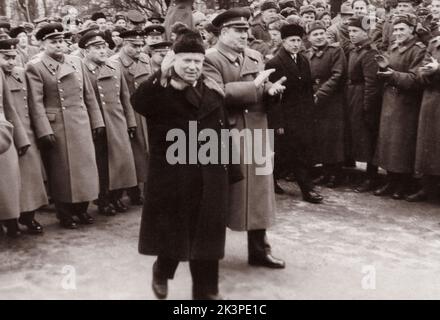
(132, 132)
(22, 151)
(47, 142)
(98, 133)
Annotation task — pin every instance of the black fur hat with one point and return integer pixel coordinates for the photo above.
(189, 41)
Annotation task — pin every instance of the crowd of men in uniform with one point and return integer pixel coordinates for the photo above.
(85, 103)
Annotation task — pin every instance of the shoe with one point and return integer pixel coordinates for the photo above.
(12, 228)
(312, 196)
(323, 179)
(385, 190)
(399, 194)
(138, 201)
(417, 197)
(159, 285)
(267, 261)
(33, 226)
(85, 218)
(367, 185)
(119, 206)
(278, 189)
(107, 210)
(68, 224)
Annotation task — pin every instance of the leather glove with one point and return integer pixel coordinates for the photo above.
(22, 151)
(132, 132)
(47, 142)
(98, 133)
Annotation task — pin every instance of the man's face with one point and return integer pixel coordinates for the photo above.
(133, 49)
(116, 39)
(109, 25)
(402, 32)
(317, 38)
(54, 47)
(23, 40)
(275, 35)
(360, 8)
(155, 21)
(7, 62)
(327, 20)
(97, 53)
(357, 35)
(158, 55)
(189, 66)
(153, 39)
(267, 15)
(102, 24)
(292, 44)
(121, 23)
(435, 9)
(405, 7)
(308, 17)
(319, 11)
(235, 38)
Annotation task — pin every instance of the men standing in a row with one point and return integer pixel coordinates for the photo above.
(66, 117)
(32, 192)
(135, 66)
(9, 167)
(239, 70)
(328, 70)
(114, 155)
(363, 100)
(396, 146)
(292, 117)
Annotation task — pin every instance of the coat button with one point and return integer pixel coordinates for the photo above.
(62, 99)
(103, 102)
(246, 111)
(64, 108)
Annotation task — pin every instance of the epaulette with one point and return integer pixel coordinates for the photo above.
(144, 58)
(253, 54)
(420, 44)
(211, 50)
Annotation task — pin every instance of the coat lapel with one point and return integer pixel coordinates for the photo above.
(65, 69)
(106, 72)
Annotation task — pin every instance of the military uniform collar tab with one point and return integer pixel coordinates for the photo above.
(227, 52)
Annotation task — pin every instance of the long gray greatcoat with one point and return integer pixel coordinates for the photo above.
(33, 191)
(9, 167)
(428, 133)
(252, 200)
(184, 216)
(136, 72)
(114, 100)
(396, 145)
(328, 68)
(62, 102)
(363, 102)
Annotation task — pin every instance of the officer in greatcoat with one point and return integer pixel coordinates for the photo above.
(396, 146)
(16, 144)
(428, 131)
(136, 68)
(328, 69)
(33, 192)
(363, 100)
(113, 151)
(239, 70)
(66, 118)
